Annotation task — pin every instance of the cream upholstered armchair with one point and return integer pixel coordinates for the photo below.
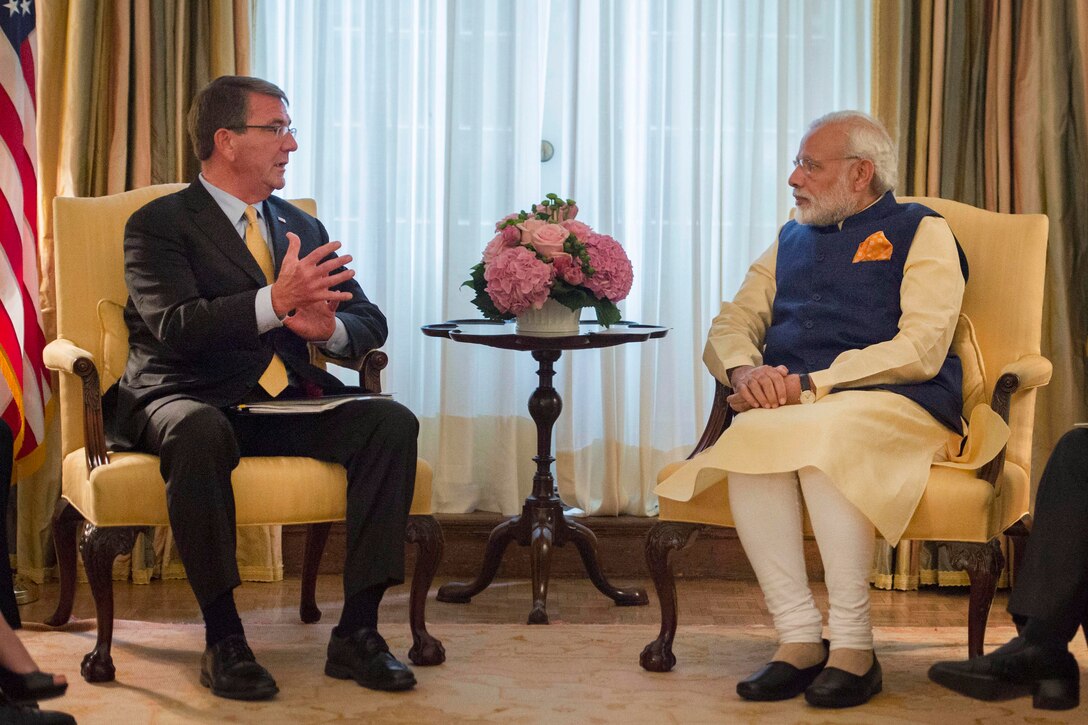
(998, 342)
(110, 496)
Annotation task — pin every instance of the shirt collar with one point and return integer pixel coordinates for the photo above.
(231, 205)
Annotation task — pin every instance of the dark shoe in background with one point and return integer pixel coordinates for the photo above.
(230, 670)
(15, 714)
(365, 658)
(1018, 668)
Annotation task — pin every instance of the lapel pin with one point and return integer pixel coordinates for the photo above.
(281, 220)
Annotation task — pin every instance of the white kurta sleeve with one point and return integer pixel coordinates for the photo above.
(930, 298)
(737, 333)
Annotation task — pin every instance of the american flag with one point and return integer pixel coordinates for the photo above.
(24, 397)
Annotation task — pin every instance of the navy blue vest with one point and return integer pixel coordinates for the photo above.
(826, 304)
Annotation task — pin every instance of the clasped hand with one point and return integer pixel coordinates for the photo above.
(304, 289)
(763, 387)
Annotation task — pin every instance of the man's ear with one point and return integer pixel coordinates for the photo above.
(225, 143)
(862, 174)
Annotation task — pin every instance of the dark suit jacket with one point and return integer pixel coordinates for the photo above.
(191, 316)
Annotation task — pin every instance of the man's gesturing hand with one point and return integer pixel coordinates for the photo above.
(303, 282)
(314, 322)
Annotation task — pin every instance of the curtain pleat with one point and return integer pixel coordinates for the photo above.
(118, 79)
(991, 111)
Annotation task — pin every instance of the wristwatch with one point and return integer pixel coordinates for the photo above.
(807, 396)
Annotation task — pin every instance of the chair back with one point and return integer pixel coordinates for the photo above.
(89, 261)
(1006, 254)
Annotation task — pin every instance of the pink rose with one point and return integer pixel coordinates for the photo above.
(578, 229)
(496, 245)
(548, 240)
(568, 269)
(511, 236)
(529, 226)
(612, 274)
(517, 280)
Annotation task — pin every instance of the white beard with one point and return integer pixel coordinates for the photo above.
(834, 206)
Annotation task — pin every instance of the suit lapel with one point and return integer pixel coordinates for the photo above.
(221, 231)
(277, 228)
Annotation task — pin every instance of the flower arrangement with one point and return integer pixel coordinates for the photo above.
(546, 253)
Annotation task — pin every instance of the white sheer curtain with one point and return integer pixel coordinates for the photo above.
(673, 123)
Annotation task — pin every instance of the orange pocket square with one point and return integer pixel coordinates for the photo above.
(875, 248)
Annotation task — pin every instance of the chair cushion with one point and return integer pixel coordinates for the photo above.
(965, 346)
(129, 491)
(113, 342)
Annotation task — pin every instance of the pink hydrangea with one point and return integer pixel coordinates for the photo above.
(517, 280)
(496, 245)
(613, 276)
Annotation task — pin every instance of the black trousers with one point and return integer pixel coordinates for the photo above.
(1052, 585)
(199, 446)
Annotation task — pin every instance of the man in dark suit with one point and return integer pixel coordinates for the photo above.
(228, 286)
(1050, 600)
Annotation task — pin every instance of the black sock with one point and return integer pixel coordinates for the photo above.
(360, 611)
(221, 619)
(1045, 634)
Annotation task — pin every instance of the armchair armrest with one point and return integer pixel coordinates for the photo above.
(1025, 373)
(64, 356)
(369, 366)
(721, 415)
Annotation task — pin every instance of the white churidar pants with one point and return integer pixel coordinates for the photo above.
(767, 512)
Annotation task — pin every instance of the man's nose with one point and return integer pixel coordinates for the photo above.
(797, 177)
(292, 142)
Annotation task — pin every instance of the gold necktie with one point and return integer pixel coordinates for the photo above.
(274, 377)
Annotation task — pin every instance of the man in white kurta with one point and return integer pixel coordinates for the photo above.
(836, 348)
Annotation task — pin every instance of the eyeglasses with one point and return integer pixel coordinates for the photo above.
(280, 131)
(811, 166)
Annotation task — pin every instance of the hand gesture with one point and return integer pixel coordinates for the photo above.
(304, 282)
(763, 387)
(314, 322)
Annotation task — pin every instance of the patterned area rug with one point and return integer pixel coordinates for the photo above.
(560, 673)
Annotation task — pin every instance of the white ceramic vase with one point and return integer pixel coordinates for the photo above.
(552, 320)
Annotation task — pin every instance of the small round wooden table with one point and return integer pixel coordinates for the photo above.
(542, 523)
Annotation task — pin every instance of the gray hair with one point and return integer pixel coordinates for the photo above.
(867, 138)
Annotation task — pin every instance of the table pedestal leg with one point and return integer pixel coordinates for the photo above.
(542, 524)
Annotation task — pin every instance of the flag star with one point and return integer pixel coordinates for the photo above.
(26, 7)
(12, 6)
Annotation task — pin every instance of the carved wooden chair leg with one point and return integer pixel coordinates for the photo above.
(426, 534)
(65, 521)
(99, 548)
(664, 538)
(316, 537)
(983, 564)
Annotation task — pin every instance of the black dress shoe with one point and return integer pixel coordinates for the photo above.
(29, 687)
(839, 688)
(1019, 668)
(779, 680)
(12, 713)
(229, 668)
(365, 658)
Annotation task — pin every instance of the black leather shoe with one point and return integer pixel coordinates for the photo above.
(779, 680)
(229, 668)
(839, 688)
(12, 713)
(365, 658)
(1018, 668)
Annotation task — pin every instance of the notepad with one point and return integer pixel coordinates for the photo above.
(297, 406)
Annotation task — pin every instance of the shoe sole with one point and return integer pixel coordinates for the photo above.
(245, 696)
(340, 672)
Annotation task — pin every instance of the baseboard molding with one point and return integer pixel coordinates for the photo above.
(620, 543)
